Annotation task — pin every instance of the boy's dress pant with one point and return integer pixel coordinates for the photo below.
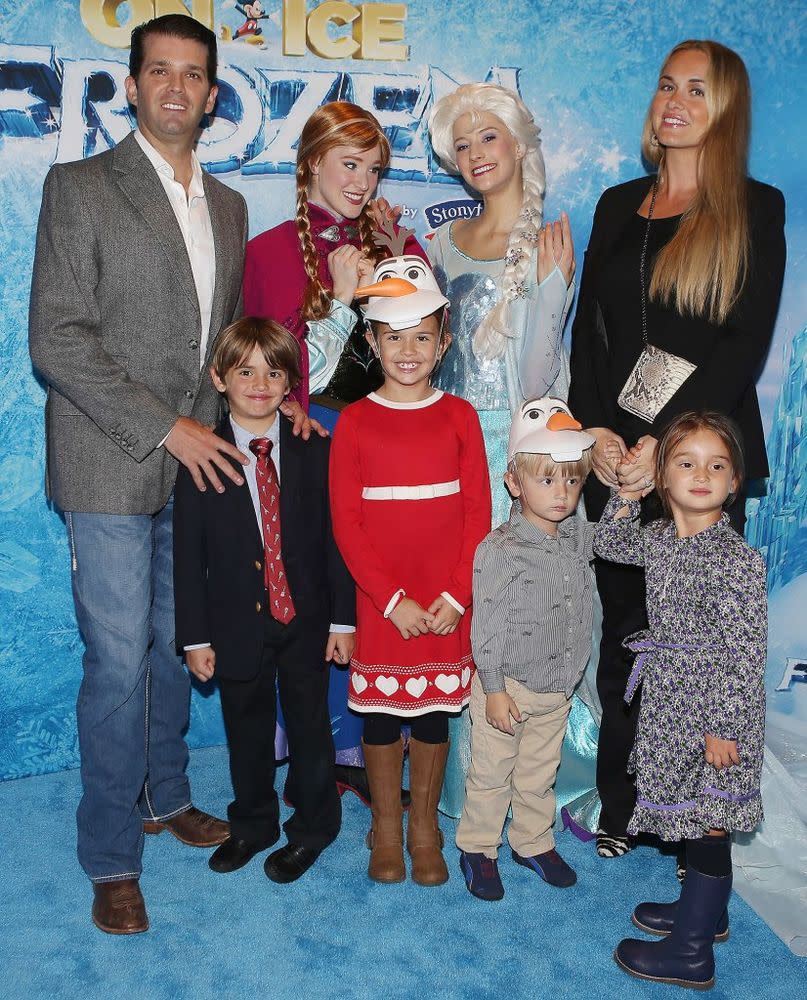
(293, 658)
(517, 769)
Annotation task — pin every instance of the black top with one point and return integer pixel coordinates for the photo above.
(607, 331)
(622, 310)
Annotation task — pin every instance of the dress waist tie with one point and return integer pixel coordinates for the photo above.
(645, 645)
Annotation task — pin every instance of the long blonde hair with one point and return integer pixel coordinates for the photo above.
(704, 266)
(493, 333)
(338, 123)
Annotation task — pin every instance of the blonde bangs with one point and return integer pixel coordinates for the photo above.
(544, 465)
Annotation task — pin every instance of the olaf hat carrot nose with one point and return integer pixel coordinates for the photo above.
(546, 427)
(404, 291)
(391, 288)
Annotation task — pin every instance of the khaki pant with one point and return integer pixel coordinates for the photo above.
(516, 769)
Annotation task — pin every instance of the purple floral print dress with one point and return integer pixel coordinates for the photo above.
(701, 664)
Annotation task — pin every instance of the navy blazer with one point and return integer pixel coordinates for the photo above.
(219, 590)
(727, 367)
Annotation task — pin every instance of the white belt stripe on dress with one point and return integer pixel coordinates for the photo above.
(427, 491)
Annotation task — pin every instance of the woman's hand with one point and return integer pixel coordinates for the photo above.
(343, 263)
(302, 424)
(382, 212)
(556, 249)
(721, 753)
(609, 450)
(365, 269)
(637, 471)
(499, 709)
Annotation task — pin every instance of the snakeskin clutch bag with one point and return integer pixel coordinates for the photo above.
(652, 383)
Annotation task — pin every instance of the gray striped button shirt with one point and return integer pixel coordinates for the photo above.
(532, 605)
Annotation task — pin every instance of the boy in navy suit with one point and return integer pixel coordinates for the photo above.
(259, 584)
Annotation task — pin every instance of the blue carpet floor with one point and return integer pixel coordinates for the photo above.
(333, 934)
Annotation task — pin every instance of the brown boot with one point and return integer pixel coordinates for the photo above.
(424, 841)
(384, 768)
(118, 907)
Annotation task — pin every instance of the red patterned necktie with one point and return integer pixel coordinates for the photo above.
(281, 605)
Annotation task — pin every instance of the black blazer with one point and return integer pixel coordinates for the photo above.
(218, 557)
(727, 367)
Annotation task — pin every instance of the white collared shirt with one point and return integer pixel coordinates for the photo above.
(193, 216)
(242, 439)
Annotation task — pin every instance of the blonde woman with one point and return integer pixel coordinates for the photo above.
(508, 277)
(677, 305)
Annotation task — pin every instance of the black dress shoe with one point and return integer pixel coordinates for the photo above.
(234, 854)
(290, 862)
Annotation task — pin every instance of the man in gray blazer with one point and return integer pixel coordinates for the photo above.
(138, 267)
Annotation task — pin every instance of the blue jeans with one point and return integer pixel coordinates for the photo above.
(133, 703)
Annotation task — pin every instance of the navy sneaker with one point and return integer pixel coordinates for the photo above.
(481, 875)
(550, 866)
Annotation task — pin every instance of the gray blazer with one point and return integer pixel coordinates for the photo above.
(114, 327)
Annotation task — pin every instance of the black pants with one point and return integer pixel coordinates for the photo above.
(622, 594)
(381, 729)
(293, 658)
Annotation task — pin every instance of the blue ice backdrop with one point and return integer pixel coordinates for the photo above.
(586, 68)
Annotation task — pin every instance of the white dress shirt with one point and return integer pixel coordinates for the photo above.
(193, 217)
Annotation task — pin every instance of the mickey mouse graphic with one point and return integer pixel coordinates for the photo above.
(250, 31)
(253, 12)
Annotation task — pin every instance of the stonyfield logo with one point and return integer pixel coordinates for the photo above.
(447, 211)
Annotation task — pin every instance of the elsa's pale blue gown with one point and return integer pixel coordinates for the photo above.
(534, 364)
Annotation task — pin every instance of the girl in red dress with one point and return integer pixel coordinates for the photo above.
(410, 499)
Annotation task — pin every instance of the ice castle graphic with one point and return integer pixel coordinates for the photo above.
(777, 523)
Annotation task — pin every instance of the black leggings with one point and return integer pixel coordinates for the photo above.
(381, 729)
(710, 855)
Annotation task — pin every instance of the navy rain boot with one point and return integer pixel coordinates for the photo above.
(658, 918)
(685, 957)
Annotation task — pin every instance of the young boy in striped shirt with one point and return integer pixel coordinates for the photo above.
(531, 639)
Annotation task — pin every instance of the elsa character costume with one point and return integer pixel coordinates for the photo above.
(507, 347)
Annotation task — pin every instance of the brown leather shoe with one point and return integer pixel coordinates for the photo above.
(119, 908)
(424, 839)
(193, 827)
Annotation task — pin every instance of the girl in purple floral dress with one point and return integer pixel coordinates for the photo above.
(698, 750)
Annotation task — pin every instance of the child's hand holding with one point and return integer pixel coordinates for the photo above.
(638, 467)
(201, 662)
(499, 708)
(410, 618)
(446, 616)
(721, 753)
(606, 454)
(340, 647)
(343, 263)
(629, 494)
